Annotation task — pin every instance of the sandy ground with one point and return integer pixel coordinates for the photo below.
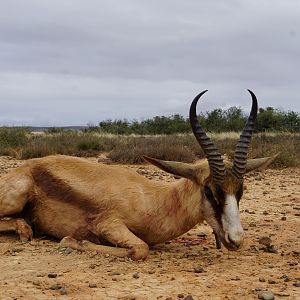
(187, 268)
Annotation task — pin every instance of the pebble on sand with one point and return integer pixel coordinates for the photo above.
(189, 297)
(198, 269)
(266, 241)
(296, 284)
(266, 295)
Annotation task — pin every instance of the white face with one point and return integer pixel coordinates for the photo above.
(221, 211)
(234, 233)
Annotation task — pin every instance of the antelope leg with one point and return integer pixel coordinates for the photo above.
(20, 226)
(89, 246)
(218, 242)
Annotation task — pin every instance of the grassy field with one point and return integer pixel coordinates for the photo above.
(22, 144)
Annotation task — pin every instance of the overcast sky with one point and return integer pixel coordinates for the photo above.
(73, 62)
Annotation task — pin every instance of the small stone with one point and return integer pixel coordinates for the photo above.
(92, 285)
(142, 171)
(266, 295)
(283, 218)
(285, 278)
(189, 297)
(296, 284)
(169, 298)
(271, 281)
(266, 241)
(68, 250)
(63, 291)
(296, 253)
(198, 269)
(52, 275)
(115, 273)
(236, 278)
(180, 296)
(261, 279)
(254, 248)
(271, 249)
(56, 287)
(136, 275)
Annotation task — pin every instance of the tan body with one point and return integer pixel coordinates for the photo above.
(68, 196)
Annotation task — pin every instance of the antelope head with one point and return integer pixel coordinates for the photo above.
(220, 181)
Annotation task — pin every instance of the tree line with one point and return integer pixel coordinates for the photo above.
(217, 120)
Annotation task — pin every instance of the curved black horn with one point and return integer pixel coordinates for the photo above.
(242, 146)
(212, 153)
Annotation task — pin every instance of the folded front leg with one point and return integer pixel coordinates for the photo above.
(118, 234)
(90, 246)
(20, 226)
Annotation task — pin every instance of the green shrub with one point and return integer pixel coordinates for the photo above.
(13, 137)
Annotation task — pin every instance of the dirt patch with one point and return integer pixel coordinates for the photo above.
(189, 265)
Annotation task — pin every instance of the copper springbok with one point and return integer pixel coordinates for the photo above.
(89, 205)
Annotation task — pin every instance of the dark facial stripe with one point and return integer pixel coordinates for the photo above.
(220, 195)
(217, 208)
(239, 193)
(56, 189)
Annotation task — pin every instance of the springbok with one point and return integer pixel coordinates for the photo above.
(89, 205)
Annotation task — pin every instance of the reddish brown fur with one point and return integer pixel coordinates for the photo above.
(231, 183)
(56, 189)
(175, 204)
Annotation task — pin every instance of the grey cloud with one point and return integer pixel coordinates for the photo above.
(73, 62)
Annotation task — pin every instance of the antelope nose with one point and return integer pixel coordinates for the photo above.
(235, 238)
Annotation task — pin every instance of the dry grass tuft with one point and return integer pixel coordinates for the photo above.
(20, 144)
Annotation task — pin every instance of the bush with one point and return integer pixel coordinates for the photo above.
(131, 150)
(13, 137)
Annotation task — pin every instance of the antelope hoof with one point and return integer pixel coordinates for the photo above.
(138, 252)
(23, 230)
(68, 241)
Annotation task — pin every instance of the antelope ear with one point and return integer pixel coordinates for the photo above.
(259, 163)
(177, 168)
